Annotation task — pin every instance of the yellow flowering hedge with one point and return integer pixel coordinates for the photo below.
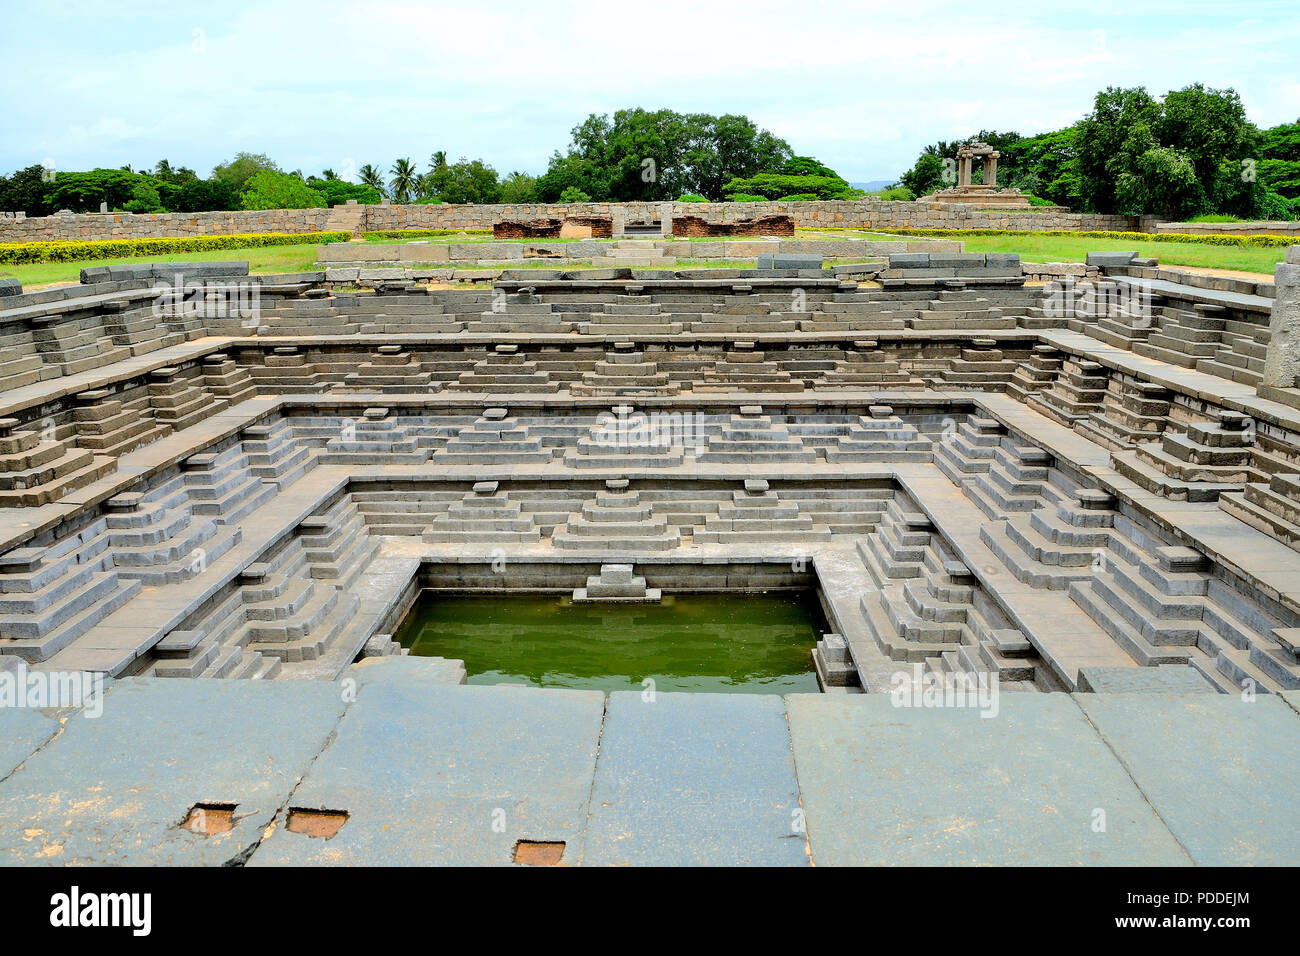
(1219, 239)
(15, 253)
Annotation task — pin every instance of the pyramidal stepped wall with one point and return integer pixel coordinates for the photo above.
(1083, 484)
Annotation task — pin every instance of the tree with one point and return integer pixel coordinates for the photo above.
(404, 182)
(925, 176)
(1154, 178)
(338, 191)
(728, 147)
(1043, 166)
(238, 171)
(1279, 159)
(372, 177)
(1100, 142)
(639, 154)
(204, 195)
(273, 190)
(574, 194)
(84, 191)
(519, 188)
(572, 172)
(438, 159)
(797, 178)
(26, 191)
(1210, 128)
(144, 199)
(164, 172)
(464, 181)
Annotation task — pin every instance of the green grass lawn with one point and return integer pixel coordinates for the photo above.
(1031, 248)
(1036, 248)
(261, 259)
(1071, 249)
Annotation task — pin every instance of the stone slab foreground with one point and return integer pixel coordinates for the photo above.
(446, 774)
(695, 779)
(114, 789)
(423, 772)
(939, 786)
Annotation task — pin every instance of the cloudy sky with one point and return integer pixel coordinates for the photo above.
(861, 86)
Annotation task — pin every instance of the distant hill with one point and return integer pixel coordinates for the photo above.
(874, 184)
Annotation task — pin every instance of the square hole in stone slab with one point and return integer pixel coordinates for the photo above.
(316, 823)
(210, 818)
(539, 852)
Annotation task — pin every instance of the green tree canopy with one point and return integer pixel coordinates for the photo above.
(464, 181)
(640, 154)
(271, 190)
(519, 188)
(1133, 153)
(236, 172)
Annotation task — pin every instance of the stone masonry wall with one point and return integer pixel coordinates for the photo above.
(160, 225)
(869, 214)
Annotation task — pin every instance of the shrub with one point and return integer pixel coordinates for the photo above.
(1039, 201)
(573, 194)
(1272, 206)
(799, 197)
(691, 197)
(336, 192)
(204, 195)
(144, 199)
(16, 253)
(746, 197)
(771, 185)
(897, 194)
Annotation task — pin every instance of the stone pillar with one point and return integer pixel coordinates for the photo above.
(1282, 362)
(963, 170)
(991, 169)
(666, 219)
(618, 213)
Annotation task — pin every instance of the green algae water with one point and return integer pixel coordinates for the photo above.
(718, 643)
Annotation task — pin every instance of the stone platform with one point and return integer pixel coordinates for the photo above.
(1098, 516)
(397, 764)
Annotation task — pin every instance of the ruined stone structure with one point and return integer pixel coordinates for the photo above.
(964, 467)
(857, 214)
(1086, 491)
(758, 226)
(985, 193)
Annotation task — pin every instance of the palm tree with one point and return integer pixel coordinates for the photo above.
(404, 179)
(370, 176)
(438, 159)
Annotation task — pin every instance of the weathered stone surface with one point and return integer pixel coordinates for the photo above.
(1218, 769)
(695, 779)
(114, 789)
(446, 775)
(883, 784)
(1282, 363)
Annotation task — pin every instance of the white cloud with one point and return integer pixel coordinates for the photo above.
(862, 86)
